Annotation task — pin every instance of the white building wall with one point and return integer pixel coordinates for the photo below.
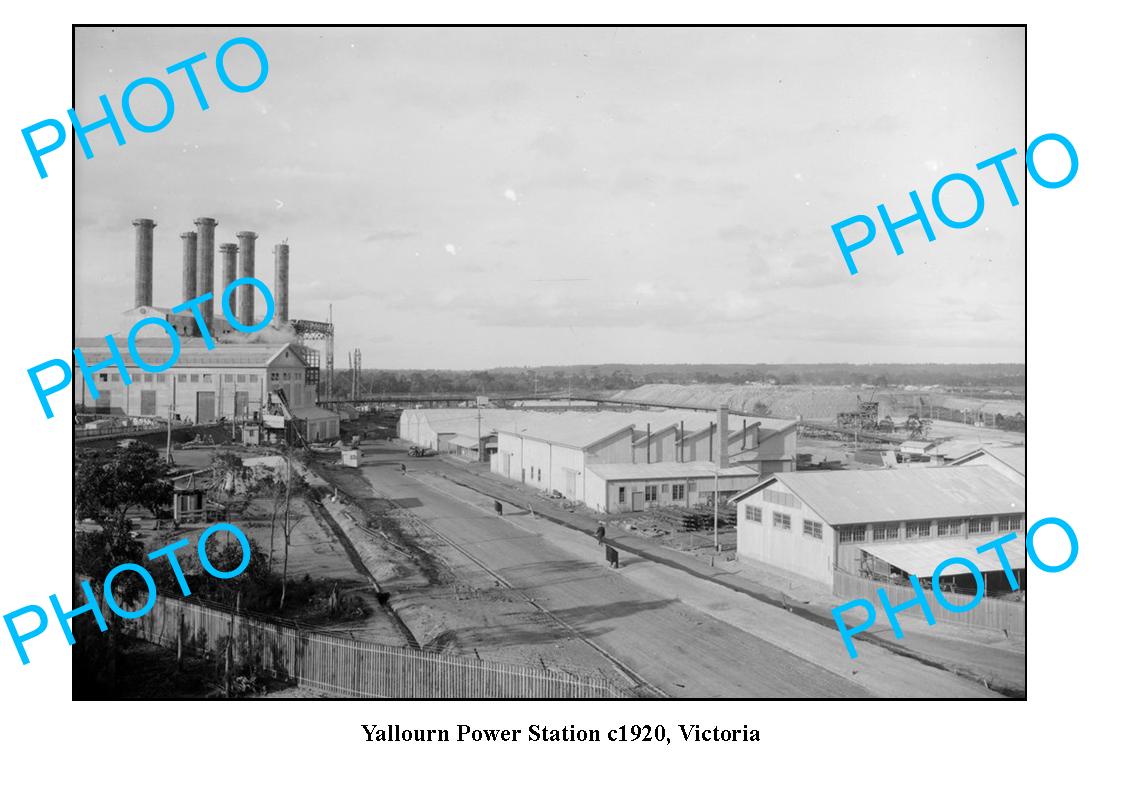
(614, 450)
(788, 549)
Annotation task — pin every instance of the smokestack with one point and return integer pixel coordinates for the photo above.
(142, 296)
(281, 283)
(189, 253)
(204, 265)
(723, 435)
(229, 253)
(245, 268)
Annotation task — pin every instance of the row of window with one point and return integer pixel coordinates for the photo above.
(783, 522)
(650, 492)
(887, 531)
(182, 378)
(284, 376)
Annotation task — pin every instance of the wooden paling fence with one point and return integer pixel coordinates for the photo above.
(989, 613)
(344, 667)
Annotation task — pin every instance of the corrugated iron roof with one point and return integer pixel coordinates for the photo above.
(921, 558)
(1013, 457)
(194, 353)
(843, 497)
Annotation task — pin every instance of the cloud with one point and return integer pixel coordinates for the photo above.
(390, 234)
(511, 195)
(451, 249)
(553, 143)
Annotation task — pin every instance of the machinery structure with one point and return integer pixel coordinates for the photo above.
(310, 332)
(864, 419)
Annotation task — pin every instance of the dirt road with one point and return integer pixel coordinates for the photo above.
(667, 629)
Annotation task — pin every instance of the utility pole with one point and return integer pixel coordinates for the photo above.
(479, 433)
(716, 546)
(168, 456)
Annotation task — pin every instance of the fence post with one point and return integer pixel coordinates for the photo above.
(179, 643)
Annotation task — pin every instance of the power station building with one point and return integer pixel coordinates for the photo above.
(241, 377)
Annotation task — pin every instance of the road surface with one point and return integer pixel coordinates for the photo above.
(635, 614)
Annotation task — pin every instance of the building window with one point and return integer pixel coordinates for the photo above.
(207, 377)
(850, 534)
(161, 378)
(665, 488)
(753, 514)
(620, 495)
(978, 525)
(228, 378)
(781, 521)
(1011, 522)
(678, 492)
(782, 498)
(182, 377)
(915, 530)
(103, 377)
(274, 376)
(947, 528)
(148, 377)
(814, 529)
(114, 377)
(194, 377)
(692, 486)
(885, 530)
(241, 378)
(253, 378)
(651, 493)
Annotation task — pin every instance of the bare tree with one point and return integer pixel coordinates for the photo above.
(287, 528)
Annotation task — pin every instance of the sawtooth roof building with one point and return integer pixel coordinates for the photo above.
(671, 455)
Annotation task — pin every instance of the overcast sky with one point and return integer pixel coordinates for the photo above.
(467, 198)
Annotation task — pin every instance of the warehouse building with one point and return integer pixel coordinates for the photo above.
(462, 431)
(560, 453)
(880, 523)
(1011, 462)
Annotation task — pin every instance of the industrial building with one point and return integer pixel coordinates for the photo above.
(244, 377)
(461, 431)
(616, 488)
(880, 523)
(613, 460)
(1010, 461)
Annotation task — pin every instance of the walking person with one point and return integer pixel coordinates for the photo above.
(600, 533)
(499, 508)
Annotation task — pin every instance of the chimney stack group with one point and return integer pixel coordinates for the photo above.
(199, 276)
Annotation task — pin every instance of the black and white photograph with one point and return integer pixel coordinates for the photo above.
(552, 363)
